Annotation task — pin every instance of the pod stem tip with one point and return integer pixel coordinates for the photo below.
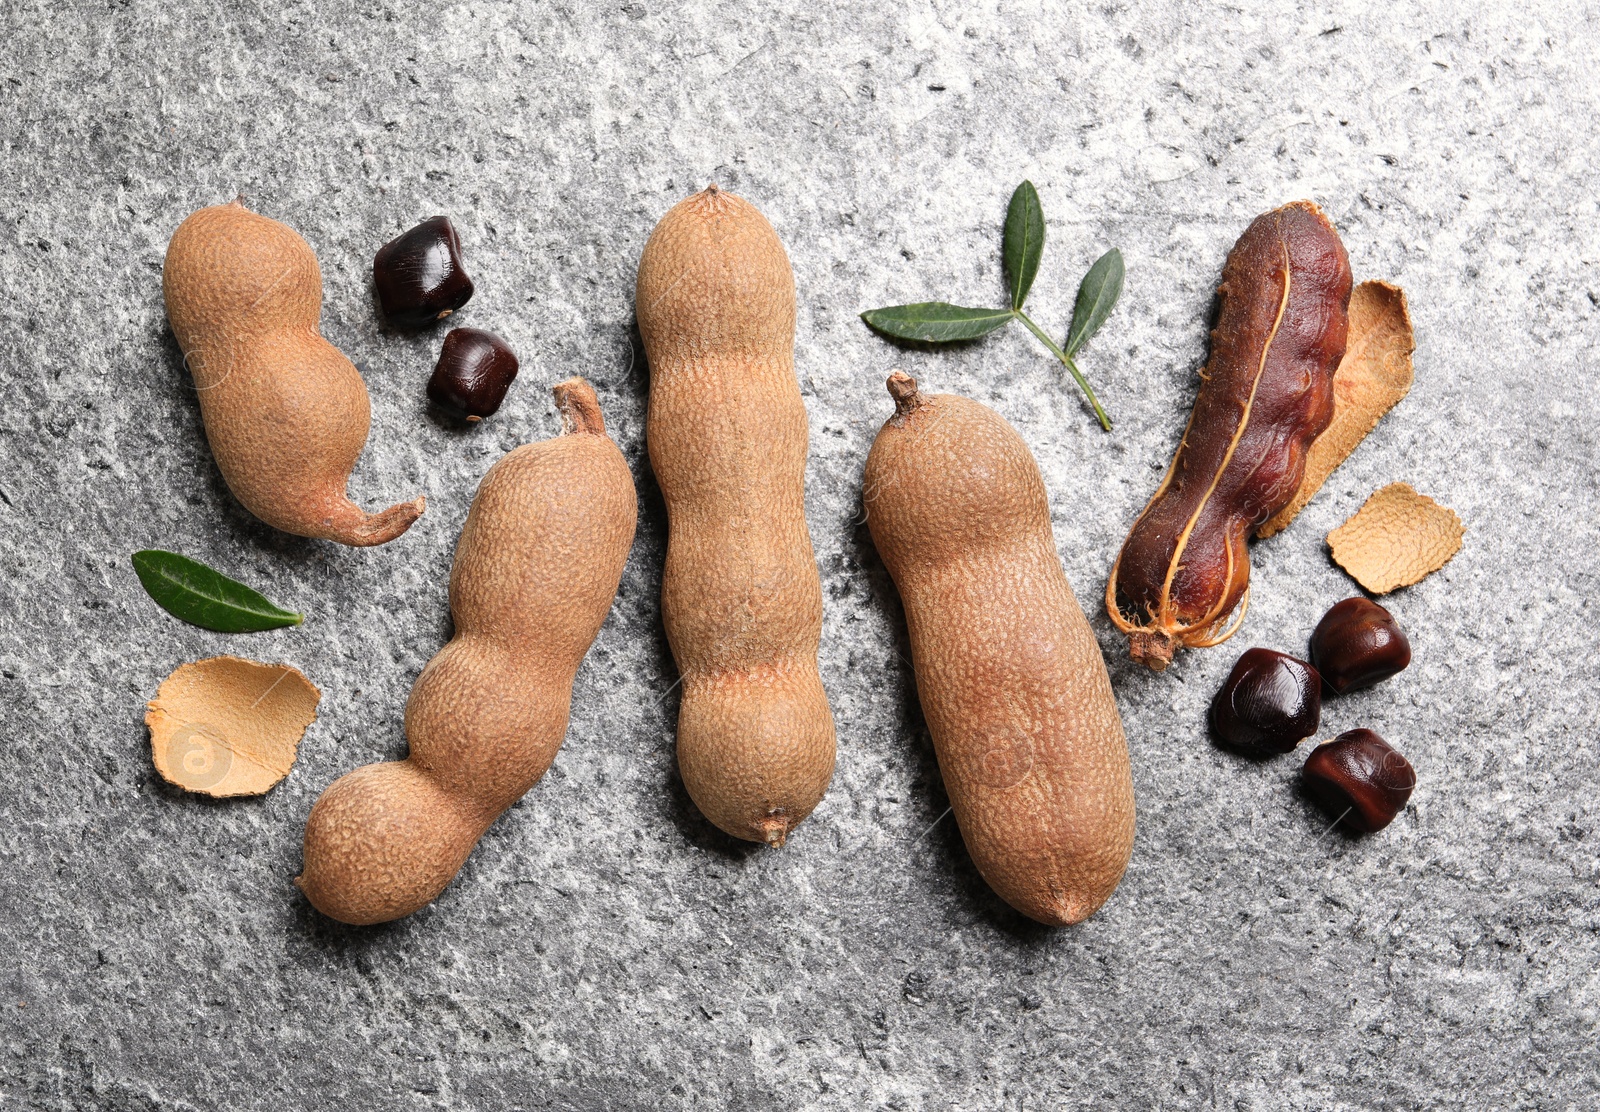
(903, 389)
(579, 408)
(358, 529)
(1151, 648)
(775, 829)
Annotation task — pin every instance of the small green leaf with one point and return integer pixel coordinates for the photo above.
(936, 322)
(1097, 296)
(189, 590)
(1023, 243)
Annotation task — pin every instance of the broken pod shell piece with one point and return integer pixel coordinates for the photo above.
(228, 726)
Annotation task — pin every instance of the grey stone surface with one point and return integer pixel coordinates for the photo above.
(604, 948)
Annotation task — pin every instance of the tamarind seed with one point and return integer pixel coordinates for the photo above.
(474, 371)
(1360, 778)
(419, 275)
(1270, 703)
(1357, 644)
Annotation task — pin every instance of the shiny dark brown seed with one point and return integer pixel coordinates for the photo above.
(1269, 703)
(1357, 644)
(474, 370)
(419, 275)
(1360, 779)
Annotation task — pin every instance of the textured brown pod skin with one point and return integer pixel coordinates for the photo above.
(1265, 395)
(740, 597)
(534, 576)
(1010, 677)
(285, 412)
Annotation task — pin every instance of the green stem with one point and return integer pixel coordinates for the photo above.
(1066, 360)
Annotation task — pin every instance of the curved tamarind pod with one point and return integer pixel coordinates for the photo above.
(740, 596)
(1009, 674)
(1266, 393)
(285, 412)
(534, 576)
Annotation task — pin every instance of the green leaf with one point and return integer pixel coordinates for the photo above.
(1097, 296)
(936, 322)
(1023, 243)
(189, 590)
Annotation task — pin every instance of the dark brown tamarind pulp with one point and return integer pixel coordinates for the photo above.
(1183, 576)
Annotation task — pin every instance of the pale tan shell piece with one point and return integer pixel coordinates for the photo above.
(1374, 375)
(228, 726)
(1396, 538)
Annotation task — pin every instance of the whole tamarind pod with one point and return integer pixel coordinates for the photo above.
(285, 412)
(535, 573)
(1183, 575)
(1010, 677)
(740, 597)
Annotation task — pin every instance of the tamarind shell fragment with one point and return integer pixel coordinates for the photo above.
(1183, 575)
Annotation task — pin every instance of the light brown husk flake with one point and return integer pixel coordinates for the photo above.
(228, 726)
(1374, 375)
(1396, 539)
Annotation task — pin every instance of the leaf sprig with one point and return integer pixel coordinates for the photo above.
(1022, 246)
(202, 596)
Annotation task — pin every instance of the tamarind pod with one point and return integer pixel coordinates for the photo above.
(1011, 680)
(1182, 577)
(535, 573)
(285, 412)
(740, 595)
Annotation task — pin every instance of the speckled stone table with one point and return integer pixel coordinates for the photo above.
(606, 949)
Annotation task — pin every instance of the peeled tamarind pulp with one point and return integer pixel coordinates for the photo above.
(1183, 575)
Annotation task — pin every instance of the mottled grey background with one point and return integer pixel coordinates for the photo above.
(605, 949)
